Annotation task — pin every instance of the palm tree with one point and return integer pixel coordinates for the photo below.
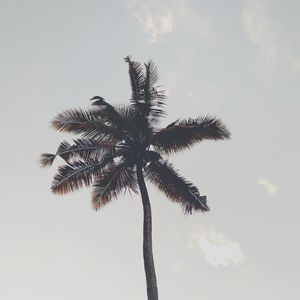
(118, 147)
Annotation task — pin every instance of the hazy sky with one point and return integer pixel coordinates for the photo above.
(238, 60)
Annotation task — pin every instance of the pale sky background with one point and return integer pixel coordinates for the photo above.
(238, 60)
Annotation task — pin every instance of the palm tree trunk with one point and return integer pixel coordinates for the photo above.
(147, 238)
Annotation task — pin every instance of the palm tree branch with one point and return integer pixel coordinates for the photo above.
(84, 122)
(147, 99)
(85, 148)
(120, 117)
(137, 78)
(109, 184)
(183, 134)
(151, 77)
(153, 97)
(127, 120)
(74, 175)
(175, 187)
(46, 159)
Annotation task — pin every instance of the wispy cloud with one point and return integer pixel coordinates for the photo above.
(255, 20)
(261, 31)
(161, 18)
(155, 25)
(268, 185)
(217, 249)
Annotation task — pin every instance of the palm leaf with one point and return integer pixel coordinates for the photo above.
(151, 75)
(46, 159)
(85, 148)
(183, 134)
(80, 149)
(84, 122)
(77, 174)
(147, 99)
(109, 185)
(125, 119)
(137, 79)
(109, 114)
(175, 187)
(121, 117)
(153, 97)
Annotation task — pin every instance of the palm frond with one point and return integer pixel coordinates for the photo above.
(147, 99)
(117, 178)
(105, 111)
(150, 79)
(120, 117)
(74, 120)
(175, 187)
(84, 122)
(183, 134)
(85, 148)
(155, 115)
(46, 159)
(137, 79)
(77, 174)
(129, 115)
(153, 96)
(151, 75)
(137, 120)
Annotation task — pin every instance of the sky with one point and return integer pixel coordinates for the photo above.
(238, 60)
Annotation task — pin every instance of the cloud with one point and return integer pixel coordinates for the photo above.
(155, 25)
(255, 21)
(269, 186)
(160, 18)
(167, 23)
(262, 31)
(217, 249)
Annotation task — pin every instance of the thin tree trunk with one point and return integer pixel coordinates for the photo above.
(147, 238)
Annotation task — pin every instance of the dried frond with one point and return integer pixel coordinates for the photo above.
(76, 174)
(175, 187)
(46, 159)
(183, 134)
(112, 182)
